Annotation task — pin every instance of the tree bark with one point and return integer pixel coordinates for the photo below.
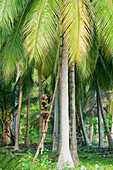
(65, 155)
(59, 113)
(110, 140)
(111, 108)
(74, 153)
(87, 141)
(15, 117)
(55, 133)
(18, 120)
(8, 131)
(101, 142)
(4, 114)
(91, 131)
(28, 114)
(40, 99)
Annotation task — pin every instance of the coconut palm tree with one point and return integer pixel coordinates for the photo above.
(42, 30)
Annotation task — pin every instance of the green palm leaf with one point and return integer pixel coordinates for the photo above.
(104, 19)
(40, 30)
(14, 49)
(77, 20)
(10, 161)
(9, 10)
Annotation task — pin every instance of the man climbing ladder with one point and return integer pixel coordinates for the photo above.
(46, 125)
(44, 112)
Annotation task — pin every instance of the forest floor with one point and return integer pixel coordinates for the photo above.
(91, 158)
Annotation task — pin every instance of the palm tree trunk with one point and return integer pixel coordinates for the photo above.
(59, 112)
(40, 99)
(112, 119)
(8, 131)
(73, 118)
(101, 142)
(18, 120)
(15, 117)
(91, 131)
(4, 114)
(65, 155)
(112, 126)
(87, 141)
(55, 133)
(110, 140)
(28, 114)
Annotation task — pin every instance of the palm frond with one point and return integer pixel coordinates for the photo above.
(40, 30)
(9, 10)
(13, 49)
(13, 52)
(78, 29)
(10, 161)
(49, 60)
(104, 18)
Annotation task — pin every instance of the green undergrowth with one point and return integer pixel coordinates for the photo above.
(90, 159)
(93, 160)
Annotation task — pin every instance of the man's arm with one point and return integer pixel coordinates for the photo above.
(47, 105)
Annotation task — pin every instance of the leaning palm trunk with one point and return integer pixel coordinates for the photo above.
(55, 136)
(18, 120)
(110, 140)
(87, 141)
(73, 118)
(28, 114)
(65, 155)
(101, 142)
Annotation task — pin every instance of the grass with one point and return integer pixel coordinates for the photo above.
(96, 159)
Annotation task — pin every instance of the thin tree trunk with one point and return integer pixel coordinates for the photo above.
(8, 131)
(15, 117)
(91, 131)
(87, 141)
(73, 117)
(28, 114)
(4, 114)
(55, 133)
(18, 120)
(40, 99)
(59, 112)
(101, 142)
(112, 119)
(110, 140)
(65, 155)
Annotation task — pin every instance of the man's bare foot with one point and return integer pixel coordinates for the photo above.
(45, 131)
(38, 116)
